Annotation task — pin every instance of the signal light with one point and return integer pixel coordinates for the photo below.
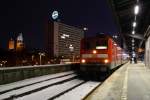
(94, 51)
(106, 60)
(83, 60)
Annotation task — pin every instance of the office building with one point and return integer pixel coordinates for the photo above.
(63, 40)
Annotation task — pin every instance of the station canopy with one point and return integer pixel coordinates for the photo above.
(129, 20)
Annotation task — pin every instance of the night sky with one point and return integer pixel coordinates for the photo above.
(30, 17)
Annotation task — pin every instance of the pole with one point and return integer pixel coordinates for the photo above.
(40, 58)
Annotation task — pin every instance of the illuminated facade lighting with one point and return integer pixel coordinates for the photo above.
(63, 40)
(19, 43)
(11, 44)
(62, 37)
(136, 9)
(55, 15)
(134, 24)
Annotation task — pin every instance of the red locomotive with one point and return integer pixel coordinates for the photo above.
(100, 54)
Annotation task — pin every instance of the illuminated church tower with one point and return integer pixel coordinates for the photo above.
(11, 45)
(19, 43)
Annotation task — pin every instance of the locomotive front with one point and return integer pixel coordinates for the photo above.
(94, 54)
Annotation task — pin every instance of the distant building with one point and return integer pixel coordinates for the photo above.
(63, 40)
(19, 42)
(11, 44)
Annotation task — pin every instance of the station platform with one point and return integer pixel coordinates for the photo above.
(129, 82)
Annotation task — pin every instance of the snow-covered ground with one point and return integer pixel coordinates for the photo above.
(80, 92)
(33, 87)
(31, 81)
(51, 91)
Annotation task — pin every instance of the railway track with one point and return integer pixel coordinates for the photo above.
(25, 83)
(58, 86)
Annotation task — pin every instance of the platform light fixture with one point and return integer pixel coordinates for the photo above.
(133, 41)
(136, 9)
(133, 32)
(132, 44)
(133, 48)
(134, 24)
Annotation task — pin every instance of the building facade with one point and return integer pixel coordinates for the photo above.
(19, 42)
(11, 44)
(63, 40)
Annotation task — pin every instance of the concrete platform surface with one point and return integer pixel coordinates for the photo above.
(129, 82)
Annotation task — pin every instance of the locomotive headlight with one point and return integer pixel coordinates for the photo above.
(106, 61)
(83, 60)
(94, 51)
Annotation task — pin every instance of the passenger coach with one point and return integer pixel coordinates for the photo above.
(101, 54)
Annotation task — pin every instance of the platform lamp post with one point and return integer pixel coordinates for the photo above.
(85, 29)
(41, 54)
(71, 48)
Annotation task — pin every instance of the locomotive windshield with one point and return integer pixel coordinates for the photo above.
(91, 44)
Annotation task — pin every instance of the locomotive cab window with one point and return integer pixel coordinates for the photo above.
(101, 44)
(95, 44)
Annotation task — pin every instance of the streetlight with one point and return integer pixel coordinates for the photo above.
(32, 57)
(41, 54)
(4, 62)
(115, 36)
(85, 29)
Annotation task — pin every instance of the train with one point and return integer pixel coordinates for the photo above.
(101, 53)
